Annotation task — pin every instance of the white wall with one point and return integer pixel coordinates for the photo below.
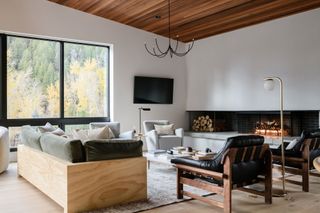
(226, 72)
(40, 17)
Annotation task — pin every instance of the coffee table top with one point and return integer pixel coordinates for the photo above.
(164, 158)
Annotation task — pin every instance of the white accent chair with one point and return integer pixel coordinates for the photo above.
(4, 149)
(165, 142)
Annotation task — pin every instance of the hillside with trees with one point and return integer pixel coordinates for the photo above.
(33, 79)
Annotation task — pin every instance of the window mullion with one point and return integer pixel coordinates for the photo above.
(3, 77)
(62, 81)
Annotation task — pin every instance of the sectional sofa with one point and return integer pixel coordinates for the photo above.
(82, 176)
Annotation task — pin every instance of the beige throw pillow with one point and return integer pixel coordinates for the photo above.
(164, 129)
(46, 128)
(58, 132)
(80, 134)
(49, 128)
(100, 133)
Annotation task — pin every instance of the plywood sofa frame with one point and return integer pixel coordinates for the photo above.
(84, 186)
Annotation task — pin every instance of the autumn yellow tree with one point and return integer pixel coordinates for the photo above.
(85, 91)
(23, 95)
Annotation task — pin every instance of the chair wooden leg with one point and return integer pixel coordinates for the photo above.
(305, 177)
(268, 179)
(179, 185)
(227, 198)
(227, 187)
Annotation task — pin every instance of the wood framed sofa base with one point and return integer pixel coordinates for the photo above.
(84, 186)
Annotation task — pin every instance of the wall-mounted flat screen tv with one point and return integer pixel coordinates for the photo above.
(150, 90)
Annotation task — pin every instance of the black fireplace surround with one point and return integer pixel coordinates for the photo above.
(246, 121)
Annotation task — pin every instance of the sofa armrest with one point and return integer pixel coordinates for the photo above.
(127, 135)
(153, 135)
(179, 132)
(152, 140)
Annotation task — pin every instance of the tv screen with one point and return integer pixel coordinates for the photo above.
(152, 90)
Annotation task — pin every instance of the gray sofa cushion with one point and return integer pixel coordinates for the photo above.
(108, 149)
(66, 149)
(30, 137)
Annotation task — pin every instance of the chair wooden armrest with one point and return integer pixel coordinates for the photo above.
(199, 171)
(289, 159)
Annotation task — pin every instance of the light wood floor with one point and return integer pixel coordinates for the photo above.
(18, 196)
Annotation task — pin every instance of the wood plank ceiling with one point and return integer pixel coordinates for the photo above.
(191, 18)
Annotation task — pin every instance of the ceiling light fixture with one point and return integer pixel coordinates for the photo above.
(171, 50)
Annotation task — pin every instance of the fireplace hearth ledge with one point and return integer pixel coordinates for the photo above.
(216, 140)
(213, 135)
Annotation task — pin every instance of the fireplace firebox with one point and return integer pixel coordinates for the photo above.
(255, 122)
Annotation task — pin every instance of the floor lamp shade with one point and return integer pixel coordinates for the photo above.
(268, 84)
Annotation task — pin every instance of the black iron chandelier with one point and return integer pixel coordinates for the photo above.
(172, 50)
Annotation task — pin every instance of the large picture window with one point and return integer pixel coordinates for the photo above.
(85, 80)
(65, 83)
(33, 82)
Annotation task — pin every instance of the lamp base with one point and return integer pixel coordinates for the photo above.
(280, 193)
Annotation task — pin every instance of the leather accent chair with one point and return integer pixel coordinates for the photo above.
(238, 164)
(298, 160)
(156, 141)
(4, 149)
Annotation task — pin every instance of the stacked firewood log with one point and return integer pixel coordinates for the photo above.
(202, 124)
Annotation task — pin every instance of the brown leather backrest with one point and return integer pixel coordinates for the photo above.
(246, 154)
(313, 135)
(314, 143)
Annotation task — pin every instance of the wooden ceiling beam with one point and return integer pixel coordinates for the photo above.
(149, 9)
(106, 7)
(161, 10)
(245, 15)
(191, 18)
(254, 19)
(182, 16)
(227, 15)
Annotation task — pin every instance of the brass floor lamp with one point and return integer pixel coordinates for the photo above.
(140, 135)
(269, 85)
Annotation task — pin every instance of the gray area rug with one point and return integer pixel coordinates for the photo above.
(161, 191)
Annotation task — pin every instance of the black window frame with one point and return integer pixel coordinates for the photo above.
(61, 121)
